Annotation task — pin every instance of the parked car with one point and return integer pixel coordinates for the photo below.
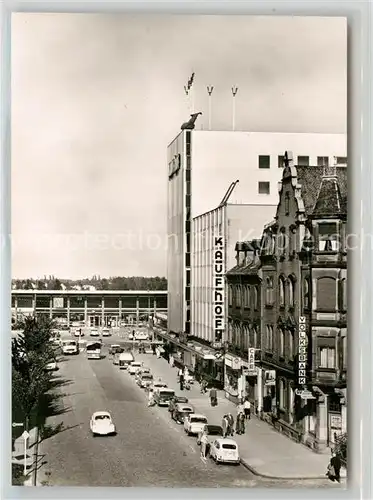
(194, 423)
(162, 396)
(211, 431)
(225, 451)
(158, 384)
(141, 336)
(134, 366)
(94, 333)
(140, 371)
(145, 380)
(175, 400)
(106, 332)
(115, 348)
(181, 411)
(125, 359)
(51, 367)
(101, 424)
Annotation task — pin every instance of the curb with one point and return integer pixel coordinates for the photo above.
(279, 478)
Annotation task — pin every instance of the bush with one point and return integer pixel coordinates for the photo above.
(17, 475)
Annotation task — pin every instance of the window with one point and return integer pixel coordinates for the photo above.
(255, 335)
(344, 353)
(341, 160)
(280, 160)
(281, 285)
(256, 298)
(238, 297)
(327, 357)
(287, 203)
(247, 296)
(326, 294)
(281, 394)
(282, 342)
(328, 237)
(291, 344)
(344, 294)
(303, 161)
(291, 292)
(269, 291)
(230, 296)
(322, 161)
(264, 161)
(269, 338)
(281, 243)
(306, 293)
(263, 188)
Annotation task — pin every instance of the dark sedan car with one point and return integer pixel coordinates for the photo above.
(181, 411)
(211, 431)
(175, 400)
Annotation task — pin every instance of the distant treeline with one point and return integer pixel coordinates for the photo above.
(113, 283)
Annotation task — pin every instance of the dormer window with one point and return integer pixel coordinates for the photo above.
(328, 237)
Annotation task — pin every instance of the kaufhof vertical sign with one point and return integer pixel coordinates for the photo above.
(302, 362)
(218, 287)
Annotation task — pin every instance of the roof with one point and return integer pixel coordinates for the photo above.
(311, 178)
(98, 413)
(89, 292)
(330, 201)
(250, 269)
(197, 415)
(226, 441)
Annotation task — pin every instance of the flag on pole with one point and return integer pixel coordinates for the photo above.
(190, 81)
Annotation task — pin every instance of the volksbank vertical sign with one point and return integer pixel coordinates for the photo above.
(302, 364)
(218, 287)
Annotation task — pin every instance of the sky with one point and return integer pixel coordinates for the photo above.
(97, 98)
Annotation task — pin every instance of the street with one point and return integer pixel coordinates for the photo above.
(150, 449)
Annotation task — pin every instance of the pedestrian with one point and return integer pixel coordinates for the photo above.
(230, 420)
(181, 379)
(172, 361)
(334, 468)
(204, 445)
(240, 423)
(213, 397)
(247, 409)
(151, 397)
(240, 408)
(203, 386)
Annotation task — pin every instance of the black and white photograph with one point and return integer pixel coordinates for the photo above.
(179, 251)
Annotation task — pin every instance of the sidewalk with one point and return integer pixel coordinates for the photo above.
(264, 451)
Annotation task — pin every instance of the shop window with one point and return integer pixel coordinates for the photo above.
(282, 342)
(287, 203)
(327, 357)
(281, 285)
(291, 292)
(326, 294)
(328, 237)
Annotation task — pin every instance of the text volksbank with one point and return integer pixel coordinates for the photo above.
(218, 288)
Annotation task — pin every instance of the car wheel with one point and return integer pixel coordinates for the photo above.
(189, 433)
(94, 434)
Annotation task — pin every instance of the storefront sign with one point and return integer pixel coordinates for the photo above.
(302, 362)
(251, 368)
(218, 287)
(270, 377)
(304, 394)
(233, 362)
(174, 166)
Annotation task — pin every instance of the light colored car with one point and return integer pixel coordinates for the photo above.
(101, 424)
(134, 366)
(106, 332)
(78, 333)
(225, 451)
(94, 333)
(145, 380)
(140, 371)
(52, 366)
(194, 423)
(158, 384)
(141, 336)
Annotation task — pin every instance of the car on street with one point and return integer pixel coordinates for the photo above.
(145, 380)
(78, 333)
(94, 333)
(141, 336)
(101, 424)
(159, 384)
(106, 332)
(51, 367)
(115, 348)
(131, 336)
(69, 347)
(181, 411)
(194, 423)
(225, 451)
(125, 359)
(175, 400)
(163, 396)
(134, 366)
(140, 371)
(211, 431)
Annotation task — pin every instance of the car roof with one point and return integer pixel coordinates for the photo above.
(198, 415)
(184, 406)
(226, 441)
(101, 414)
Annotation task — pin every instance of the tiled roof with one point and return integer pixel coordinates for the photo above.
(310, 179)
(329, 201)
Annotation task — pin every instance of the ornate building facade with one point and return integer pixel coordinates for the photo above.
(301, 276)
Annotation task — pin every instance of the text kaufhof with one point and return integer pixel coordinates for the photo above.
(302, 363)
(219, 290)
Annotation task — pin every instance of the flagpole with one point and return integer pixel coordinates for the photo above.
(210, 89)
(234, 93)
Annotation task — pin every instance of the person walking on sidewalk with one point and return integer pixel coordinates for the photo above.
(172, 361)
(204, 445)
(213, 397)
(247, 409)
(334, 468)
(181, 379)
(151, 397)
(240, 421)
